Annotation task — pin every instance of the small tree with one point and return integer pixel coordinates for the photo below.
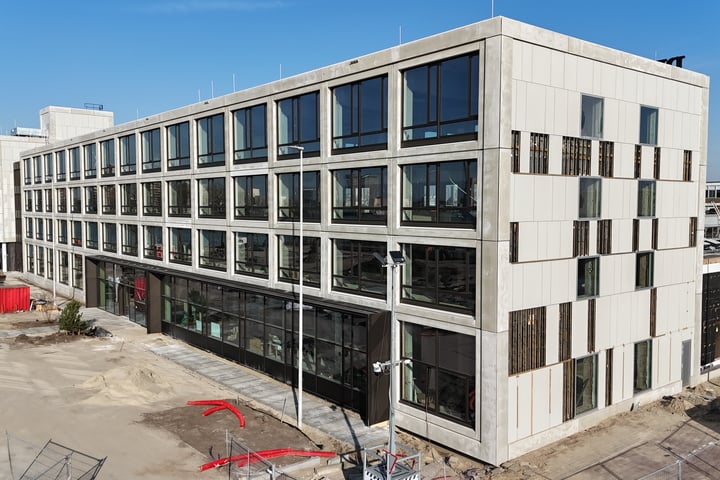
(71, 319)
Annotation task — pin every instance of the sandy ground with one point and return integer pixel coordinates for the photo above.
(112, 397)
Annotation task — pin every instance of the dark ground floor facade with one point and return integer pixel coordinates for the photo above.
(255, 327)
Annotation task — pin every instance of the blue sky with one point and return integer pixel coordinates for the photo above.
(141, 57)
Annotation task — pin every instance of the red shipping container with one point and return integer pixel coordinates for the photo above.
(13, 299)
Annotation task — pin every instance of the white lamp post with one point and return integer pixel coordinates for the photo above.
(300, 310)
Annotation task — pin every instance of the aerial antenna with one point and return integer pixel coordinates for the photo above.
(212, 89)
(233, 82)
(400, 30)
(198, 95)
(281, 70)
(492, 8)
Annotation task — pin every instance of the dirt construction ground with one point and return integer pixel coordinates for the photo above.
(113, 397)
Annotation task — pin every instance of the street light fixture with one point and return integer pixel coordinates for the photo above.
(393, 260)
(300, 149)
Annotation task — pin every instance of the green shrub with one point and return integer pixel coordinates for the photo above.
(71, 319)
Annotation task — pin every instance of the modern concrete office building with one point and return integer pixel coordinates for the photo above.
(543, 190)
(56, 123)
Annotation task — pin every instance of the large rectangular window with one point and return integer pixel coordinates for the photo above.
(289, 196)
(251, 197)
(360, 195)
(591, 119)
(585, 384)
(75, 200)
(179, 198)
(211, 197)
(526, 340)
(130, 240)
(356, 268)
(128, 154)
(61, 171)
(62, 231)
(211, 140)
(153, 242)
(128, 199)
(109, 200)
(181, 246)
(78, 271)
(107, 157)
(642, 366)
(648, 125)
(646, 198)
(250, 143)
(213, 253)
(110, 237)
(589, 197)
(440, 193)
(289, 259)
(440, 276)
(251, 254)
(90, 151)
(91, 200)
(48, 160)
(152, 198)
(178, 146)
(74, 163)
(360, 114)
(588, 277)
(91, 232)
(151, 150)
(299, 124)
(440, 101)
(440, 375)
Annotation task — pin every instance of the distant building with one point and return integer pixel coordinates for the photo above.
(544, 191)
(56, 123)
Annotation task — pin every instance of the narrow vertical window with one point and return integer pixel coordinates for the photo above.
(539, 152)
(638, 160)
(565, 332)
(515, 151)
(656, 163)
(581, 232)
(604, 237)
(608, 376)
(654, 234)
(642, 366)
(514, 232)
(687, 166)
(653, 312)
(250, 141)
(591, 325)
(607, 159)
(211, 140)
(693, 232)
(636, 235)
(178, 146)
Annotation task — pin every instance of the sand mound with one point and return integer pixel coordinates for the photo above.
(129, 385)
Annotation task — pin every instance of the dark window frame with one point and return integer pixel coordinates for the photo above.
(246, 205)
(211, 145)
(356, 270)
(151, 150)
(254, 136)
(355, 118)
(351, 204)
(293, 122)
(257, 254)
(178, 146)
(431, 127)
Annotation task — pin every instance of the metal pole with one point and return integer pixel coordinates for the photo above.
(300, 312)
(391, 422)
